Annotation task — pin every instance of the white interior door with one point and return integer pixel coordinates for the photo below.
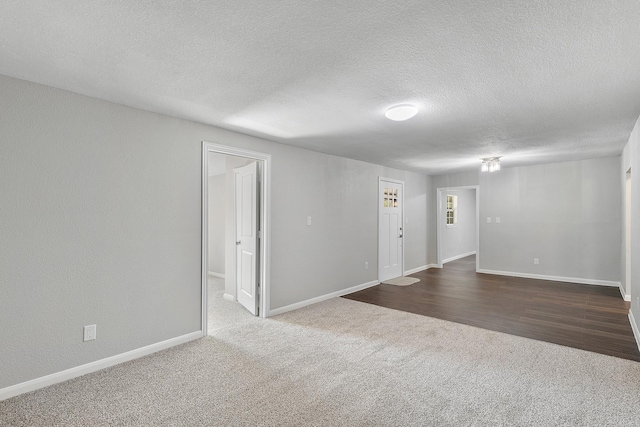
(390, 218)
(246, 185)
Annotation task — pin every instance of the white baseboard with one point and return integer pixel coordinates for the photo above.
(220, 275)
(634, 328)
(453, 258)
(68, 374)
(552, 278)
(291, 307)
(419, 269)
(228, 297)
(624, 294)
(415, 270)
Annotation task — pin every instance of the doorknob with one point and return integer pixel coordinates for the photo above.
(238, 242)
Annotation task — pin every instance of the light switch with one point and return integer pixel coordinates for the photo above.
(488, 220)
(308, 220)
(89, 333)
(497, 220)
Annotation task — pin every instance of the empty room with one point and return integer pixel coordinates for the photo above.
(319, 213)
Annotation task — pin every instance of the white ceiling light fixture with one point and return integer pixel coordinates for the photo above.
(401, 112)
(490, 164)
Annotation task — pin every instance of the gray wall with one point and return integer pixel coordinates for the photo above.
(100, 224)
(461, 238)
(567, 214)
(101, 209)
(416, 193)
(217, 220)
(631, 159)
(341, 197)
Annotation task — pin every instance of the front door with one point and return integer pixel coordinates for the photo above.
(246, 186)
(390, 253)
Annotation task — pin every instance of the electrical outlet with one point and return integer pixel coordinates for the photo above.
(497, 220)
(308, 220)
(536, 261)
(488, 220)
(89, 332)
(366, 265)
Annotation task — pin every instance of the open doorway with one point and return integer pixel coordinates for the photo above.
(235, 232)
(458, 224)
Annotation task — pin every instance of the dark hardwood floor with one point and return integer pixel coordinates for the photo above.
(587, 317)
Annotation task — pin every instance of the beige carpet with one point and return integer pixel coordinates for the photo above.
(401, 281)
(344, 363)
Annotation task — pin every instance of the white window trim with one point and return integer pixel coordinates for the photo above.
(454, 209)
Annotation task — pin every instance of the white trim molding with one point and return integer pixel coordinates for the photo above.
(419, 269)
(453, 258)
(87, 368)
(552, 278)
(623, 293)
(634, 328)
(219, 275)
(440, 219)
(321, 298)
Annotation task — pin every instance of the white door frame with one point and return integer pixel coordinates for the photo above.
(265, 221)
(627, 235)
(440, 218)
(404, 234)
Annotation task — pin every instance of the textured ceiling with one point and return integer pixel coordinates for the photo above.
(533, 81)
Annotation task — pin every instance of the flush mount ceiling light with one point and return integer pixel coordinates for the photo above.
(401, 112)
(490, 164)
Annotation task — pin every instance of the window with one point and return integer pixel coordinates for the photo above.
(452, 210)
(390, 197)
